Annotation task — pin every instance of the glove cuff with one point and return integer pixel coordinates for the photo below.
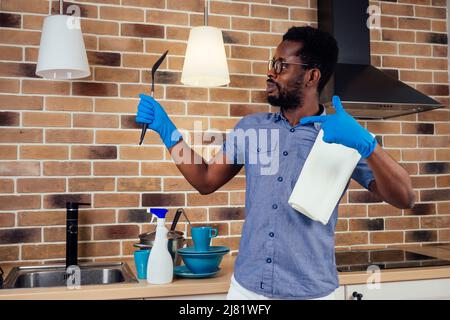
(370, 146)
(170, 135)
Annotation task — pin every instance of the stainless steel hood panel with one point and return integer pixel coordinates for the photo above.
(368, 93)
(365, 91)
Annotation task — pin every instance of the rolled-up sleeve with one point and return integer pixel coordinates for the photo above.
(363, 174)
(233, 146)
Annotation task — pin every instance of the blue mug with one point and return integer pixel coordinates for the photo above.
(202, 237)
(141, 261)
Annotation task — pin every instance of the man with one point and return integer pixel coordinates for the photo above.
(284, 254)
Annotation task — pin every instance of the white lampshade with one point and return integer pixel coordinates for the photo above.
(62, 54)
(205, 64)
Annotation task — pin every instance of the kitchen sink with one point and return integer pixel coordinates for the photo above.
(56, 275)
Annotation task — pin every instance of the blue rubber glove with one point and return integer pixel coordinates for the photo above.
(152, 113)
(342, 128)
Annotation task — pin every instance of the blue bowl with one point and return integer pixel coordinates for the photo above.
(203, 262)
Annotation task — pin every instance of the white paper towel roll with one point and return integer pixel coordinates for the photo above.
(323, 178)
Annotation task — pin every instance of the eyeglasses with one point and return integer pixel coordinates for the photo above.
(278, 66)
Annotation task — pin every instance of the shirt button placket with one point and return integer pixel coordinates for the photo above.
(269, 265)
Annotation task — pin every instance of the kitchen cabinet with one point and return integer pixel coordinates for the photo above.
(340, 295)
(436, 289)
(218, 296)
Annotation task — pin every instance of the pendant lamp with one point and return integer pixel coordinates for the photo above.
(62, 54)
(205, 64)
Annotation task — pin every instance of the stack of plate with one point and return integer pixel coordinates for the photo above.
(200, 264)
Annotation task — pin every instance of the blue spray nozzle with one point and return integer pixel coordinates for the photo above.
(160, 213)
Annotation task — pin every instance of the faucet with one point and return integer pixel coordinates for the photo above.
(72, 232)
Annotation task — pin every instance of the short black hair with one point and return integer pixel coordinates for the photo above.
(320, 50)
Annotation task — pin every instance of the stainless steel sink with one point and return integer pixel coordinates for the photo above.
(56, 275)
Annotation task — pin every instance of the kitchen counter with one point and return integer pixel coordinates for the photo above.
(218, 284)
(406, 274)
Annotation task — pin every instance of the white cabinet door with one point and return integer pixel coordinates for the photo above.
(437, 289)
(340, 293)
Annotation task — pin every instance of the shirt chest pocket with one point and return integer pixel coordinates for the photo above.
(262, 160)
(300, 152)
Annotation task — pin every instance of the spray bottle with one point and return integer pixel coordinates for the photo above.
(160, 263)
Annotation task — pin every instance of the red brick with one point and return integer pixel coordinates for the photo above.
(45, 87)
(121, 44)
(10, 53)
(94, 152)
(141, 153)
(69, 136)
(250, 24)
(116, 232)
(33, 6)
(387, 237)
(116, 200)
(59, 234)
(36, 119)
(20, 135)
(10, 102)
(7, 220)
(19, 37)
(56, 201)
(20, 202)
(41, 185)
(68, 104)
(95, 121)
(6, 186)
(139, 184)
(169, 17)
(186, 5)
(8, 152)
(351, 238)
(9, 86)
(122, 13)
(91, 184)
(56, 168)
(44, 152)
(217, 198)
(116, 168)
(41, 218)
(9, 253)
(20, 168)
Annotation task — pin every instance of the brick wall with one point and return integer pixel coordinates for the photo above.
(77, 140)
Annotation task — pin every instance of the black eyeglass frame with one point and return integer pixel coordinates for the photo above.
(271, 65)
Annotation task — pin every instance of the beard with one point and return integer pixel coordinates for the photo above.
(287, 99)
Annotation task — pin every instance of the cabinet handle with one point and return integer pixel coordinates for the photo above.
(357, 295)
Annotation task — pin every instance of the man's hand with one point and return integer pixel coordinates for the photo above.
(343, 129)
(153, 114)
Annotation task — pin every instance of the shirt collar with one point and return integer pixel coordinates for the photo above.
(279, 116)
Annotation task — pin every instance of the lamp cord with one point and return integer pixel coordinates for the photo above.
(205, 16)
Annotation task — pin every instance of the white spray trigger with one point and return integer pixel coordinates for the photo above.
(153, 216)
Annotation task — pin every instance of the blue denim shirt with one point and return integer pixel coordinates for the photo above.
(283, 253)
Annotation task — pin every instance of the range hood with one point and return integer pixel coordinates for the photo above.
(365, 91)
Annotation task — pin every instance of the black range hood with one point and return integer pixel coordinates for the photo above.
(365, 91)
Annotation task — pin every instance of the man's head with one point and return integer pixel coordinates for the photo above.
(303, 63)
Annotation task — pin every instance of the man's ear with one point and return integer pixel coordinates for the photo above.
(313, 79)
